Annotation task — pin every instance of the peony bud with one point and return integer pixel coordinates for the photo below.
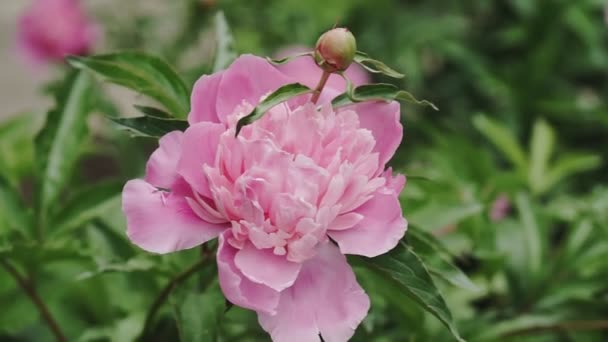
(335, 50)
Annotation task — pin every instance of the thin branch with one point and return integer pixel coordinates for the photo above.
(30, 290)
(166, 291)
(561, 326)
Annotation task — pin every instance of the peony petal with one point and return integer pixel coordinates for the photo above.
(160, 222)
(247, 79)
(383, 120)
(199, 147)
(326, 299)
(237, 288)
(380, 230)
(161, 169)
(204, 96)
(262, 266)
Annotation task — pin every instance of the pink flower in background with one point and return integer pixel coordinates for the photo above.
(305, 70)
(278, 196)
(51, 29)
(500, 208)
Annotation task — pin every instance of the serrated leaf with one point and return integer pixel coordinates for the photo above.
(280, 95)
(87, 204)
(142, 73)
(152, 111)
(541, 149)
(437, 258)
(12, 210)
(198, 315)
(224, 54)
(150, 126)
(404, 267)
(375, 66)
(504, 140)
(378, 92)
(58, 145)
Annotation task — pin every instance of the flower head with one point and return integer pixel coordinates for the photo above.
(51, 29)
(278, 196)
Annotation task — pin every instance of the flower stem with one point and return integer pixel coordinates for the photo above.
(320, 86)
(30, 290)
(166, 291)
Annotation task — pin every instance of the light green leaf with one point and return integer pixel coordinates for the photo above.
(87, 204)
(451, 213)
(499, 330)
(58, 145)
(13, 214)
(138, 264)
(541, 149)
(437, 258)
(377, 92)
(375, 66)
(567, 166)
(224, 54)
(142, 73)
(404, 267)
(280, 95)
(531, 231)
(198, 315)
(150, 126)
(503, 139)
(16, 145)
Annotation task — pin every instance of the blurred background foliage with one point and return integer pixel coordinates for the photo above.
(510, 174)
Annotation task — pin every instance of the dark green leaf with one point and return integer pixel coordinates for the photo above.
(280, 95)
(375, 66)
(142, 73)
(224, 54)
(378, 92)
(150, 126)
(198, 315)
(151, 111)
(59, 144)
(404, 267)
(287, 59)
(87, 204)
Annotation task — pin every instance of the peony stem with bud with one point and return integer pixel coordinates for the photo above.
(320, 86)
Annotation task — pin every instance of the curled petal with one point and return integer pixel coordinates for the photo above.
(161, 169)
(237, 288)
(161, 223)
(325, 299)
(262, 266)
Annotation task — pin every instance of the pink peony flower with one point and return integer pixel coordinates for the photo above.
(51, 29)
(278, 196)
(305, 70)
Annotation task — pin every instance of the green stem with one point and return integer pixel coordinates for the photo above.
(31, 292)
(320, 86)
(166, 291)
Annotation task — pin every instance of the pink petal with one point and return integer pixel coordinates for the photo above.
(304, 70)
(161, 167)
(199, 147)
(262, 266)
(247, 79)
(326, 299)
(204, 96)
(237, 288)
(383, 120)
(160, 222)
(380, 230)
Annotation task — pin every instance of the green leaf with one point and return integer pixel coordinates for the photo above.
(567, 166)
(280, 95)
(142, 73)
(138, 264)
(503, 139)
(198, 315)
(532, 234)
(59, 143)
(150, 126)
(152, 111)
(224, 54)
(404, 267)
(451, 213)
(12, 210)
(437, 258)
(377, 92)
(87, 204)
(541, 149)
(16, 145)
(375, 66)
(34, 254)
(287, 59)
